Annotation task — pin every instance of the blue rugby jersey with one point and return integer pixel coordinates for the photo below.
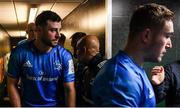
(41, 73)
(121, 82)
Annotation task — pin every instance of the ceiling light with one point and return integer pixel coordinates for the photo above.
(32, 14)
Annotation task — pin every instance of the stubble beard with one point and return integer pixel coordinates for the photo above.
(49, 43)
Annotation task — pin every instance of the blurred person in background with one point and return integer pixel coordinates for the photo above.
(88, 53)
(166, 83)
(62, 39)
(77, 65)
(31, 32)
(74, 39)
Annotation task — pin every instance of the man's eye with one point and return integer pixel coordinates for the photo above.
(52, 30)
(169, 35)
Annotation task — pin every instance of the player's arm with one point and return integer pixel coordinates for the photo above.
(13, 91)
(70, 94)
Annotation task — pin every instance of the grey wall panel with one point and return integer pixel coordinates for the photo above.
(122, 11)
(119, 34)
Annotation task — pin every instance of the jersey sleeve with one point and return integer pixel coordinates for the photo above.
(68, 67)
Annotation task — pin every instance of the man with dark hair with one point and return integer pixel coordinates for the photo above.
(43, 66)
(62, 39)
(77, 65)
(123, 81)
(74, 39)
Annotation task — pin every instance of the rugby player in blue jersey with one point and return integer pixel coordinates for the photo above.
(46, 69)
(122, 81)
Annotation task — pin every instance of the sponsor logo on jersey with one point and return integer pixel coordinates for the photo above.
(58, 65)
(71, 67)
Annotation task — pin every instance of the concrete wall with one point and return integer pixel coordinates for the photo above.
(121, 13)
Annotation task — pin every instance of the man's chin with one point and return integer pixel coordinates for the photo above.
(158, 60)
(155, 60)
(54, 44)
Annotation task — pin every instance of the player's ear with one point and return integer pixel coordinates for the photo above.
(146, 35)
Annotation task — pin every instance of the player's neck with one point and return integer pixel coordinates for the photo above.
(42, 47)
(135, 53)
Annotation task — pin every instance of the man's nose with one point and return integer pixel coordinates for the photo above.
(169, 44)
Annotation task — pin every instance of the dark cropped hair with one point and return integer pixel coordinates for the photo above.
(42, 18)
(62, 37)
(149, 16)
(76, 36)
